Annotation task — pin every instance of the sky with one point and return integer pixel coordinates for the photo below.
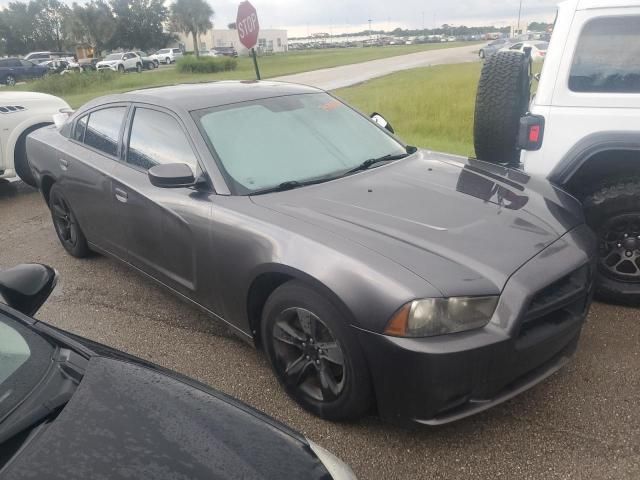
(302, 17)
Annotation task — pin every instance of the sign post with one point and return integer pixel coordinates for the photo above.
(248, 28)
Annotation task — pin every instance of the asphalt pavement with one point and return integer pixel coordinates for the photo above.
(583, 422)
(347, 75)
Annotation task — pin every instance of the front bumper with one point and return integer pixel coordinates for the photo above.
(532, 334)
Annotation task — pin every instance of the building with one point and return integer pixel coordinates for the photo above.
(269, 41)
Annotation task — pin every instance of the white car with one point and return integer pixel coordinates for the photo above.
(167, 55)
(121, 62)
(538, 49)
(208, 53)
(581, 130)
(20, 114)
(40, 57)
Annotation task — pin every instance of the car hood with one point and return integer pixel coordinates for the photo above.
(126, 420)
(462, 225)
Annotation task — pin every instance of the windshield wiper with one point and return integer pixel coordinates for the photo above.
(290, 185)
(367, 164)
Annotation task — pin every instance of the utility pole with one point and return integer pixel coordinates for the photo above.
(422, 22)
(519, 15)
(369, 28)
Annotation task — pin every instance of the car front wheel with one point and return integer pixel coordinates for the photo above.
(10, 80)
(66, 224)
(121, 68)
(314, 354)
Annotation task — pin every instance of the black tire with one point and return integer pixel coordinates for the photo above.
(613, 212)
(156, 64)
(10, 81)
(502, 98)
(168, 61)
(121, 68)
(66, 224)
(21, 162)
(349, 394)
(139, 67)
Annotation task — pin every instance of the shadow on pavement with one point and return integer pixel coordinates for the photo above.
(13, 188)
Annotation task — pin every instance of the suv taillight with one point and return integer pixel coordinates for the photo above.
(531, 132)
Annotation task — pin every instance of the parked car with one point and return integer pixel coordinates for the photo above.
(538, 49)
(581, 130)
(20, 114)
(39, 57)
(167, 55)
(72, 408)
(323, 240)
(87, 64)
(13, 70)
(493, 47)
(225, 51)
(121, 62)
(148, 63)
(208, 53)
(56, 66)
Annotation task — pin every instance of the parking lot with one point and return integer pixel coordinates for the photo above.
(583, 422)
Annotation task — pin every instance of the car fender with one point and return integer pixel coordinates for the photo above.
(589, 146)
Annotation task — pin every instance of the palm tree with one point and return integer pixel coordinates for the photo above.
(191, 17)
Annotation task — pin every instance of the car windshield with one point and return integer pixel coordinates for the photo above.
(298, 138)
(113, 56)
(25, 358)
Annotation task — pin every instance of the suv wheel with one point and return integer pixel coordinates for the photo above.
(314, 354)
(613, 212)
(502, 98)
(10, 80)
(168, 61)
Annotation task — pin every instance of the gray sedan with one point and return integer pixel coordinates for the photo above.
(372, 273)
(493, 47)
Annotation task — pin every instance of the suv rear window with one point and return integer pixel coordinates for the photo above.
(606, 59)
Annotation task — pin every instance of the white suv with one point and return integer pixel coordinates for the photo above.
(121, 62)
(167, 55)
(20, 114)
(582, 128)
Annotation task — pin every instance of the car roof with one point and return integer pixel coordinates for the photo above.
(196, 96)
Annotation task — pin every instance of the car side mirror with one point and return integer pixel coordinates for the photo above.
(26, 287)
(172, 175)
(380, 120)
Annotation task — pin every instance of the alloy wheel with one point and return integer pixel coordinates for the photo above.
(64, 221)
(308, 357)
(11, 80)
(619, 249)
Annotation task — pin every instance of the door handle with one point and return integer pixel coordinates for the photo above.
(64, 164)
(121, 195)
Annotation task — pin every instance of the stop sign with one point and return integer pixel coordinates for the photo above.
(247, 24)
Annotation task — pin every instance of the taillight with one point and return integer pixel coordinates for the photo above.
(531, 132)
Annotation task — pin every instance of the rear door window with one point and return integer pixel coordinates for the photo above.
(103, 129)
(606, 58)
(81, 127)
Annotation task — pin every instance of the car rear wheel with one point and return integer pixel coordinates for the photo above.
(10, 80)
(314, 354)
(613, 212)
(168, 61)
(502, 98)
(66, 224)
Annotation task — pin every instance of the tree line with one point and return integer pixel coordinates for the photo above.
(102, 24)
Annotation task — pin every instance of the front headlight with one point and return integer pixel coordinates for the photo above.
(439, 316)
(336, 467)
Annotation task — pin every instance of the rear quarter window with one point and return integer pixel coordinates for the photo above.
(606, 59)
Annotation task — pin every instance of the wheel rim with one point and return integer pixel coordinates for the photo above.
(308, 357)
(619, 249)
(11, 81)
(64, 222)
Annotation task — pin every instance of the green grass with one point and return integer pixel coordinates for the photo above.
(428, 107)
(270, 66)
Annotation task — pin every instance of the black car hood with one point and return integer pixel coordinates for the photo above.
(128, 421)
(463, 225)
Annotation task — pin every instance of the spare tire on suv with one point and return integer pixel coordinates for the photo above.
(503, 97)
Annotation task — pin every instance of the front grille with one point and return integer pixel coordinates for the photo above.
(564, 300)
